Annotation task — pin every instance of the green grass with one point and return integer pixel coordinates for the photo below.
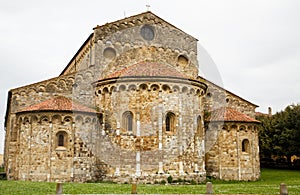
(268, 184)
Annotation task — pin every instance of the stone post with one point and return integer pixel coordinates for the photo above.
(134, 188)
(59, 188)
(209, 188)
(283, 189)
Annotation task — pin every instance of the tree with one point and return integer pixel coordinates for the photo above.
(279, 134)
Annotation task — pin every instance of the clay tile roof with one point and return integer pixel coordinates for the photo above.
(148, 69)
(229, 114)
(58, 103)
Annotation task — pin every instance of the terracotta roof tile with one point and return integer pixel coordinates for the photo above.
(229, 114)
(58, 103)
(148, 69)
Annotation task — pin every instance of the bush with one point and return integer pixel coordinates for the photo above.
(193, 182)
(3, 176)
(170, 179)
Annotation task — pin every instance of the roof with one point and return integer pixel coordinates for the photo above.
(148, 69)
(58, 103)
(229, 115)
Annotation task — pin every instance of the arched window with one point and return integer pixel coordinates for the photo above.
(199, 126)
(245, 146)
(61, 139)
(127, 120)
(170, 122)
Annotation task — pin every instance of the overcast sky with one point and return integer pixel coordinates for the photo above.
(255, 44)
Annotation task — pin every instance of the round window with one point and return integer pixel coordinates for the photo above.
(147, 32)
(109, 53)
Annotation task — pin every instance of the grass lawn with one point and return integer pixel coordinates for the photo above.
(268, 184)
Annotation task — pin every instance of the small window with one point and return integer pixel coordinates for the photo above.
(147, 32)
(100, 118)
(109, 53)
(245, 146)
(182, 60)
(61, 139)
(170, 122)
(127, 119)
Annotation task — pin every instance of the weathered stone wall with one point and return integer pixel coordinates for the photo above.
(228, 156)
(217, 97)
(149, 149)
(38, 157)
(143, 30)
(32, 94)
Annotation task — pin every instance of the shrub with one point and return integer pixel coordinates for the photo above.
(170, 179)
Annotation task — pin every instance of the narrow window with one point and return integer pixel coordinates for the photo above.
(100, 118)
(245, 145)
(61, 138)
(199, 126)
(170, 122)
(127, 120)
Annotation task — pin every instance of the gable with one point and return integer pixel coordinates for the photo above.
(128, 33)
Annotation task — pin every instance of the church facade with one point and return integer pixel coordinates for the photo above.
(130, 105)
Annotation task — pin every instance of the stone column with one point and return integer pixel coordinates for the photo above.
(138, 164)
(219, 136)
(238, 153)
(50, 151)
(138, 125)
(72, 147)
(160, 135)
(138, 153)
(181, 172)
(180, 137)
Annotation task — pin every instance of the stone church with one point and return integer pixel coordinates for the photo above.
(130, 105)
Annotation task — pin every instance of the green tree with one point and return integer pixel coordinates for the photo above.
(279, 134)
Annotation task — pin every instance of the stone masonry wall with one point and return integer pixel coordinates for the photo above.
(149, 149)
(217, 97)
(39, 157)
(228, 156)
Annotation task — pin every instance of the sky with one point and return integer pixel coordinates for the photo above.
(253, 44)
